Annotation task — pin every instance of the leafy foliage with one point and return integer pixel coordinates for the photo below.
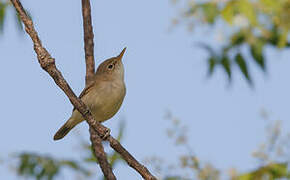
(271, 171)
(40, 167)
(2, 14)
(190, 167)
(188, 164)
(255, 24)
(45, 167)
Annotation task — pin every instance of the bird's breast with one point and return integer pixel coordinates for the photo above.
(109, 100)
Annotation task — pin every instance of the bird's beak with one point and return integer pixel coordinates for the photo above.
(121, 54)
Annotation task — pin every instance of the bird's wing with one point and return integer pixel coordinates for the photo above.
(85, 91)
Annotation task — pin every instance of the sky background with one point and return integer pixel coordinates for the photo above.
(164, 71)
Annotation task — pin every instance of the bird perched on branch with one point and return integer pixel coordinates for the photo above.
(104, 96)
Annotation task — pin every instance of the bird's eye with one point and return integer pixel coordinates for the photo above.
(110, 66)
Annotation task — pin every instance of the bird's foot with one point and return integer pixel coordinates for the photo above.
(86, 112)
(107, 134)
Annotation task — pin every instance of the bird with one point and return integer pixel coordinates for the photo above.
(103, 96)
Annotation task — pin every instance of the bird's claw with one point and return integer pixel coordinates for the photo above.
(86, 112)
(107, 134)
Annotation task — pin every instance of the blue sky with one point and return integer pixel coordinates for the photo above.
(164, 71)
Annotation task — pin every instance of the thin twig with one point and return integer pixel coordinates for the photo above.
(90, 72)
(48, 64)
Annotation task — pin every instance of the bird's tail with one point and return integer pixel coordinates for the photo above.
(65, 129)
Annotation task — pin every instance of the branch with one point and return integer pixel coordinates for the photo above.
(131, 161)
(101, 155)
(90, 72)
(48, 64)
(88, 41)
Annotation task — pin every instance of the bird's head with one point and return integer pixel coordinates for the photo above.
(112, 68)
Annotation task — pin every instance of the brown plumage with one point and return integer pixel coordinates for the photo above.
(104, 96)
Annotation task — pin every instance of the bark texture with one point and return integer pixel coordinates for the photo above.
(88, 41)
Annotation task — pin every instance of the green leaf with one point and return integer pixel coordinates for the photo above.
(211, 65)
(44, 167)
(2, 14)
(270, 5)
(228, 12)
(274, 37)
(212, 60)
(272, 171)
(246, 176)
(225, 62)
(207, 48)
(283, 38)
(210, 11)
(257, 53)
(238, 38)
(277, 170)
(174, 178)
(247, 9)
(239, 59)
(244, 7)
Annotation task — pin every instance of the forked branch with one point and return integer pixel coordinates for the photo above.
(48, 64)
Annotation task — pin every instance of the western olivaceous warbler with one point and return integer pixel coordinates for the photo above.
(104, 96)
